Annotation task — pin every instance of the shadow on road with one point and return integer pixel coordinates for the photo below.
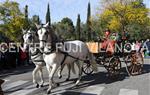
(102, 78)
(76, 93)
(89, 80)
(15, 71)
(146, 68)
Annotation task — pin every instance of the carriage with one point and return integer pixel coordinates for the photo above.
(110, 59)
(113, 59)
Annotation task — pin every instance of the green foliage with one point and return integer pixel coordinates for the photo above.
(33, 20)
(26, 12)
(88, 22)
(12, 20)
(117, 15)
(83, 32)
(26, 22)
(97, 29)
(78, 28)
(128, 15)
(48, 18)
(65, 29)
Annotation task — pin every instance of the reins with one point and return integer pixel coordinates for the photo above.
(53, 48)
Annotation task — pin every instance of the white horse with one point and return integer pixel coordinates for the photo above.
(70, 67)
(31, 39)
(36, 56)
(54, 57)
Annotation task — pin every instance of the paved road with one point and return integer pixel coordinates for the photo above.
(95, 84)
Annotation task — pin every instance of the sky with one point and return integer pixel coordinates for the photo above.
(61, 8)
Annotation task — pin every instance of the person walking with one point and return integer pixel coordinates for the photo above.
(23, 56)
(137, 46)
(147, 43)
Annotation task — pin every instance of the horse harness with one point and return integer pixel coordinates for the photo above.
(53, 49)
(35, 55)
(66, 54)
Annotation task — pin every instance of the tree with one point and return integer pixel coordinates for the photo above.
(48, 18)
(26, 12)
(125, 15)
(78, 36)
(65, 29)
(88, 22)
(12, 20)
(35, 19)
(97, 29)
(38, 20)
(27, 24)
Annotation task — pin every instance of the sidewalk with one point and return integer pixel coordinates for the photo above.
(17, 70)
(146, 60)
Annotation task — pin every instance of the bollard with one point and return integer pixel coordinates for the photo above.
(1, 91)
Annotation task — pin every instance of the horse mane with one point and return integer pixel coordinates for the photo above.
(35, 37)
(53, 38)
(53, 35)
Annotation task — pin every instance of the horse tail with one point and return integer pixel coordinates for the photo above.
(93, 62)
(72, 68)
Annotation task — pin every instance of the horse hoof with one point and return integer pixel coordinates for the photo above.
(67, 79)
(37, 86)
(42, 85)
(57, 84)
(60, 77)
(49, 92)
(77, 82)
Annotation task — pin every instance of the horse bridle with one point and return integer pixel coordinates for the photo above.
(42, 31)
(43, 41)
(29, 38)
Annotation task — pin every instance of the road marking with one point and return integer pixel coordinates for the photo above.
(128, 92)
(93, 90)
(13, 85)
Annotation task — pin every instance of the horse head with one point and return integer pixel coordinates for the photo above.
(28, 36)
(46, 35)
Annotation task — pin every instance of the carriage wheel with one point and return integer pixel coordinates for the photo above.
(127, 60)
(135, 69)
(136, 65)
(114, 66)
(87, 68)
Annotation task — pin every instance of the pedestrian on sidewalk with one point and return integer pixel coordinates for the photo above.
(23, 56)
(137, 46)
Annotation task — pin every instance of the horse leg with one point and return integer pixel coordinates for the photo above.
(80, 73)
(41, 76)
(34, 75)
(51, 75)
(69, 69)
(60, 71)
(48, 68)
